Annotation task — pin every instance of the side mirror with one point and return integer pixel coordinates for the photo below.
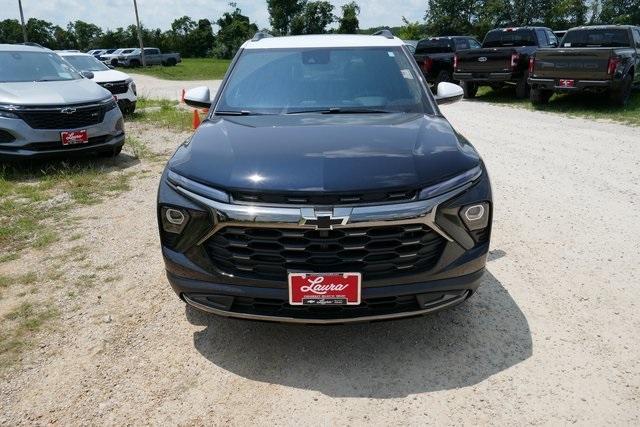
(448, 93)
(198, 97)
(87, 74)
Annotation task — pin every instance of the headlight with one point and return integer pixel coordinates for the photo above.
(196, 187)
(6, 113)
(451, 184)
(133, 87)
(109, 104)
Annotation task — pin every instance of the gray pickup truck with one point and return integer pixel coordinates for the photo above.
(597, 59)
(152, 56)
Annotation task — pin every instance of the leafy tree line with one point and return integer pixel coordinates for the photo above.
(452, 17)
(190, 38)
(443, 17)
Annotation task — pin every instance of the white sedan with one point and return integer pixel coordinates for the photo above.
(118, 83)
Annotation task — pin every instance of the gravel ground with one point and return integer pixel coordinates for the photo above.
(154, 88)
(550, 338)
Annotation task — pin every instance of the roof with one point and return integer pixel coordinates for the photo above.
(324, 40)
(72, 53)
(603, 27)
(21, 48)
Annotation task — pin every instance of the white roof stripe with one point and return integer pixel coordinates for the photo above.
(325, 40)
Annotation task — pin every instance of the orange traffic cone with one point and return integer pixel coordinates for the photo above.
(182, 97)
(196, 119)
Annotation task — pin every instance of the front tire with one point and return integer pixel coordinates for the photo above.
(621, 96)
(470, 89)
(134, 63)
(540, 96)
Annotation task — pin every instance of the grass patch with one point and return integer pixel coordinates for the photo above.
(188, 69)
(163, 113)
(591, 106)
(34, 194)
(18, 328)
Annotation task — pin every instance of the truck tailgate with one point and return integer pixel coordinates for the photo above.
(573, 63)
(491, 60)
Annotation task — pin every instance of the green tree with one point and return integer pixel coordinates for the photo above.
(84, 34)
(349, 23)
(451, 17)
(282, 12)
(619, 12)
(235, 29)
(10, 31)
(314, 18)
(41, 32)
(410, 30)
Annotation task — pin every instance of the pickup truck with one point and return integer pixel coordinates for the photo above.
(502, 60)
(435, 55)
(597, 59)
(152, 56)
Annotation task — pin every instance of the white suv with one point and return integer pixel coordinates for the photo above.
(118, 83)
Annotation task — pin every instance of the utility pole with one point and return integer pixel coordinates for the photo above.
(24, 27)
(144, 61)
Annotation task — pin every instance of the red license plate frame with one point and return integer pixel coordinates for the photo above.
(325, 289)
(74, 137)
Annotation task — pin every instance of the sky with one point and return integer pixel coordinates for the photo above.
(160, 13)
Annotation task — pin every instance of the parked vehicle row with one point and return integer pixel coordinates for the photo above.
(49, 107)
(602, 59)
(132, 57)
(597, 59)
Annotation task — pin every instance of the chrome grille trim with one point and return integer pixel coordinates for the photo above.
(417, 212)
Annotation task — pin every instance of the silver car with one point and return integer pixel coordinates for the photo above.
(47, 108)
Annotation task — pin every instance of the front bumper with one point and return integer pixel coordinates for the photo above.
(203, 284)
(579, 85)
(29, 143)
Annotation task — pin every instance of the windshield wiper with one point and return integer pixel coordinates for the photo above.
(336, 110)
(236, 113)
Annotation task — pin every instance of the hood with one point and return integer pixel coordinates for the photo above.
(324, 153)
(52, 93)
(109, 76)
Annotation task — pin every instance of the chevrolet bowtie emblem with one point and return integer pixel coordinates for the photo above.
(324, 221)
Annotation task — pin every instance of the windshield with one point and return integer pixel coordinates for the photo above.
(34, 66)
(597, 38)
(435, 46)
(280, 81)
(85, 63)
(505, 38)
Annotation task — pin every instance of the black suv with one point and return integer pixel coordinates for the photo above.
(325, 186)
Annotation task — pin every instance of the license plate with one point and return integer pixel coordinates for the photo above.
(567, 83)
(74, 137)
(325, 289)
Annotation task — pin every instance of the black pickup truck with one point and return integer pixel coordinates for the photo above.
(599, 59)
(503, 59)
(435, 55)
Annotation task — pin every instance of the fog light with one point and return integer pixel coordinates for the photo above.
(174, 216)
(476, 217)
(174, 220)
(474, 213)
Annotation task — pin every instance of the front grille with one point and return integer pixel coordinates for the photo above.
(116, 88)
(271, 253)
(326, 199)
(369, 306)
(54, 119)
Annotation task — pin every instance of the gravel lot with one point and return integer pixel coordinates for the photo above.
(550, 338)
